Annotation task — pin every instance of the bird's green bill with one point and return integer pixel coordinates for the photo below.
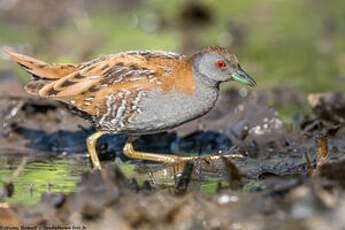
(243, 77)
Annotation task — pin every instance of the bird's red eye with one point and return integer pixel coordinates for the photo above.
(220, 64)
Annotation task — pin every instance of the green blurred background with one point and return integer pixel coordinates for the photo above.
(300, 43)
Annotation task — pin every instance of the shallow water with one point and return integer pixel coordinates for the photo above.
(41, 174)
(55, 173)
(46, 172)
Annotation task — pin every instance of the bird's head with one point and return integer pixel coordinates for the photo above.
(216, 65)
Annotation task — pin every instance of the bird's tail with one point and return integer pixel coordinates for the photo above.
(43, 73)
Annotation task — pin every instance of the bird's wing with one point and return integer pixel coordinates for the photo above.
(121, 80)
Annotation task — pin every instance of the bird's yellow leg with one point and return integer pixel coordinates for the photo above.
(91, 148)
(176, 161)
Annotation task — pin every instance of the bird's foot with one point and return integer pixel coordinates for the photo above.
(179, 161)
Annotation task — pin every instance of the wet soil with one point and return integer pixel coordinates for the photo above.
(47, 178)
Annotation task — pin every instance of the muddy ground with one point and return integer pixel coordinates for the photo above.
(289, 174)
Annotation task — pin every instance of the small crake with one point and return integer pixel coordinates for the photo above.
(137, 92)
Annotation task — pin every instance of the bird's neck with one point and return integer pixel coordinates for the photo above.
(206, 93)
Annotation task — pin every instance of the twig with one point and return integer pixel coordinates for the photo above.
(233, 174)
(310, 168)
(19, 170)
(321, 150)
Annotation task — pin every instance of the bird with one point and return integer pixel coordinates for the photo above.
(136, 92)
